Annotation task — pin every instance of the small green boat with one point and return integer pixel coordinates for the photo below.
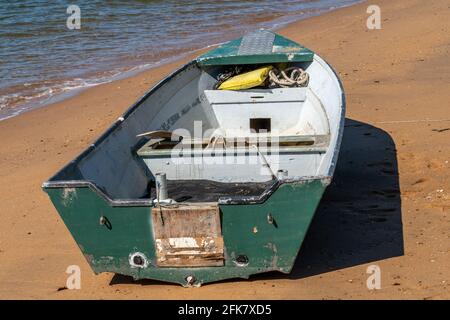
(194, 184)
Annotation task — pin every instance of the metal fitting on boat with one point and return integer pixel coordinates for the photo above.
(241, 261)
(190, 280)
(282, 174)
(105, 222)
(270, 218)
(138, 260)
(161, 186)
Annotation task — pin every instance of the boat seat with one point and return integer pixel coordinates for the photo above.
(287, 144)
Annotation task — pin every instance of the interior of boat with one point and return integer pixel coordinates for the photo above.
(223, 143)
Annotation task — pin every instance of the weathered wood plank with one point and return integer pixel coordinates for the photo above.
(192, 252)
(188, 236)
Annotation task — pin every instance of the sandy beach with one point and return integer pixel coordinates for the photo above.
(389, 204)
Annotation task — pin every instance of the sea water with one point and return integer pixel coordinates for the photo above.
(43, 57)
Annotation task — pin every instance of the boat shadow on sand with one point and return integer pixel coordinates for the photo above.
(359, 219)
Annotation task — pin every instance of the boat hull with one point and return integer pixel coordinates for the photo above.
(269, 234)
(104, 199)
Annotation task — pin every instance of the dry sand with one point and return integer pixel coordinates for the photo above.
(389, 204)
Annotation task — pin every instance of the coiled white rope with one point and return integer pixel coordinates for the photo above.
(291, 77)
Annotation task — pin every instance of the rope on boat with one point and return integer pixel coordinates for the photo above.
(290, 77)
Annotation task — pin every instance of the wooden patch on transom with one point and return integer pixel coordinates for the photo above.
(188, 236)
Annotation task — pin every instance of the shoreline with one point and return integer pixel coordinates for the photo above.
(89, 83)
(73, 92)
(388, 205)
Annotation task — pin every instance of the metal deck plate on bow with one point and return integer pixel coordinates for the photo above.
(259, 42)
(259, 47)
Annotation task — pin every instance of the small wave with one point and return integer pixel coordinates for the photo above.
(41, 94)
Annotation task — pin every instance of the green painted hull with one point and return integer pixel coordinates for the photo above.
(245, 228)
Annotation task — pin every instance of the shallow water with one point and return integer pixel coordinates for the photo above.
(41, 58)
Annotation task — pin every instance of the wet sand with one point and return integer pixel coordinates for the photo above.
(389, 203)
